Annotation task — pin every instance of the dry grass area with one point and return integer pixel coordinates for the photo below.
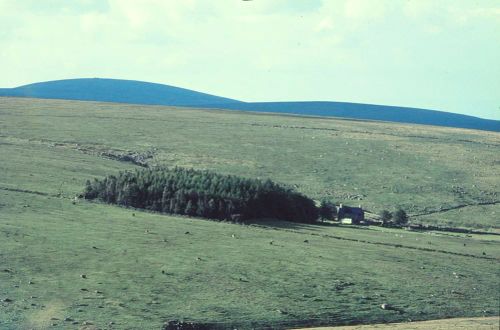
(479, 323)
(142, 269)
(439, 175)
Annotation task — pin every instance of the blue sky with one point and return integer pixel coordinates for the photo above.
(436, 54)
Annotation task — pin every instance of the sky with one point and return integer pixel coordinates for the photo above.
(434, 54)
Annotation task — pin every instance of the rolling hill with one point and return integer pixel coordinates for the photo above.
(115, 90)
(75, 264)
(137, 92)
(370, 112)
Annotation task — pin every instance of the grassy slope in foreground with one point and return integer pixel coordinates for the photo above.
(482, 323)
(142, 270)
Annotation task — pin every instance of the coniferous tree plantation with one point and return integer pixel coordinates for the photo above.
(203, 194)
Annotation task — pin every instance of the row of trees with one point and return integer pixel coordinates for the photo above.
(202, 193)
(399, 217)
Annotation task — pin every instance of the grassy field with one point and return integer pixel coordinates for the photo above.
(426, 170)
(142, 269)
(483, 323)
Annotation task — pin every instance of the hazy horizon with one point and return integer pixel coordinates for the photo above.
(422, 54)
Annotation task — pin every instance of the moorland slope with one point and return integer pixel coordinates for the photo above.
(67, 263)
(438, 175)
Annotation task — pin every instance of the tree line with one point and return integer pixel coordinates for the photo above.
(202, 193)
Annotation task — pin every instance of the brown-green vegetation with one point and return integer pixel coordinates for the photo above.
(477, 323)
(438, 175)
(66, 261)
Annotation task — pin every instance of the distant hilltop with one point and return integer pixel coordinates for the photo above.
(139, 92)
(115, 90)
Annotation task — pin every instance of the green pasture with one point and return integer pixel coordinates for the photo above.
(142, 269)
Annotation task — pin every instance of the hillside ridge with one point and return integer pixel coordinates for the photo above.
(115, 90)
(147, 93)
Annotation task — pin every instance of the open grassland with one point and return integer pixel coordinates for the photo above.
(439, 175)
(142, 269)
(483, 323)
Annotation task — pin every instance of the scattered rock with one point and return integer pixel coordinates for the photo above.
(87, 323)
(83, 276)
(187, 233)
(7, 300)
(306, 241)
(68, 319)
